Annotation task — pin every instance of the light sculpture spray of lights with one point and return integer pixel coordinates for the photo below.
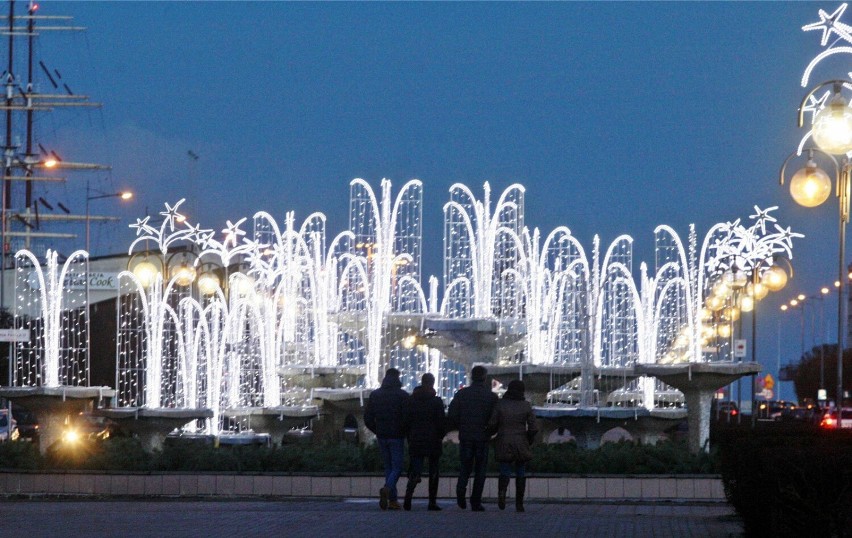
(478, 247)
(541, 281)
(387, 234)
(50, 303)
(154, 365)
(296, 301)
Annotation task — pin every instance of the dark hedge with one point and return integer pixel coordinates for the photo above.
(790, 481)
(126, 454)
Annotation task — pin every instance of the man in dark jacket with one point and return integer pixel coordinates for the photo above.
(470, 412)
(385, 417)
(425, 425)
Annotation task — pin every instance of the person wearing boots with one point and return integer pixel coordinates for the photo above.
(514, 421)
(425, 425)
(385, 415)
(469, 412)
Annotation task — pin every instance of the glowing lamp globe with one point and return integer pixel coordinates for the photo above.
(243, 285)
(731, 313)
(775, 278)
(721, 288)
(724, 331)
(735, 279)
(184, 275)
(145, 272)
(746, 304)
(757, 290)
(714, 303)
(208, 283)
(810, 186)
(832, 129)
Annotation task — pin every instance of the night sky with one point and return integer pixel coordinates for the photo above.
(616, 117)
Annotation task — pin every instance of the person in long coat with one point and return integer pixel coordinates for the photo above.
(426, 428)
(514, 420)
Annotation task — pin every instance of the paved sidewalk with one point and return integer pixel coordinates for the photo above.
(357, 517)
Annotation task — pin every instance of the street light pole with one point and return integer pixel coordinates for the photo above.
(808, 188)
(124, 195)
(778, 357)
(824, 328)
(843, 194)
(774, 278)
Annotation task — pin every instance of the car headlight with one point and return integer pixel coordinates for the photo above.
(70, 436)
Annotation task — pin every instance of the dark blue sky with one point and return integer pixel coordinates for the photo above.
(617, 117)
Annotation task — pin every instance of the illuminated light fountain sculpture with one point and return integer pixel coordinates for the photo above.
(261, 329)
(286, 328)
(584, 303)
(476, 323)
(379, 295)
(547, 294)
(659, 329)
(50, 369)
(688, 363)
(301, 275)
(611, 327)
(157, 367)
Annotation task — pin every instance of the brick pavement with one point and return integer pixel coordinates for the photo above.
(357, 517)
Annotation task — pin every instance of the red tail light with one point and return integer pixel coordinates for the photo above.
(827, 422)
(734, 413)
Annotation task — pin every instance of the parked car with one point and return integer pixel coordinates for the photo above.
(773, 409)
(27, 422)
(87, 426)
(8, 429)
(724, 410)
(800, 414)
(829, 419)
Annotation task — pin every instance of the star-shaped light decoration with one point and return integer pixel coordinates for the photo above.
(142, 226)
(784, 238)
(815, 104)
(233, 232)
(194, 232)
(763, 216)
(831, 24)
(204, 237)
(171, 214)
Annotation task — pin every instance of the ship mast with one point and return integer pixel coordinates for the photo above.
(22, 167)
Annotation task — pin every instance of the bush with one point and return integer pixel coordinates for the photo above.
(789, 483)
(19, 455)
(621, 458)
(126, 454)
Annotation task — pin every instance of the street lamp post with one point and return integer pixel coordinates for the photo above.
(831, 131)
(774, 278)
(124, 195)
(797, 303)
(751, 281)
(811, 192)
(823, 292)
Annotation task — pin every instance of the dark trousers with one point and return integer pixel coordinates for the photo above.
(473, 457)
(519, 467)
(416, 469)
